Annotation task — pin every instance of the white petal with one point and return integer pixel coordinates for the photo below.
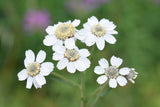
(112, 32)
(99, 70)
(57, 56)
(59, 23)
(59, 42)
(90, 40)
(49, 40)
(124, 71)
(46, 68)
(92, 20)
(102, 79)
(59, 49)
(107, 24)
(76, 22)
(100, 43)
(103, 63)
(104, 22)
(41, 56)
(84, 52)
(40, 79)
(69, 43)
(76, 48)
(121, 80)
(87, 26)
(68, 22)
(132, 81)
(30, 56)
(22, 75)
(116, 61)
(110, 39)
(135, 75)
(81, 34)
(111, 25)
(62, 63)
(79, 65)
(29, 82)
(36, 85)
(50, 30)
(113, 83)
(71, 68)
(86, 61)
(26, 63)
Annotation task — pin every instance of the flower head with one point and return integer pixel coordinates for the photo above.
(62, 33)
(111, 72)
(132, 75)
(35, 69)
(71, 58)
(98, 32)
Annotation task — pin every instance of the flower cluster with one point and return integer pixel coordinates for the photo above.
(62, 37)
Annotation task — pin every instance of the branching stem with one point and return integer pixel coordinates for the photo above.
(99, 94)
(65, 79)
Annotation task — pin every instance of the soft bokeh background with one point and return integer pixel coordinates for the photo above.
(22, 27)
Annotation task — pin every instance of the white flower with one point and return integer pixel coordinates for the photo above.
(35, 70)
(62, 33)
(132, 75)
(98, 32)
(71, 58)
(111, 72)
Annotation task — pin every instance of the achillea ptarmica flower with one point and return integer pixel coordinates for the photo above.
(35, 70)
(132, 75)
(62, 33)
(71, 58)
(98, 32)
(111, 72)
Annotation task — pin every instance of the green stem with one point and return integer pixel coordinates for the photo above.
(83, 100)
(94, 93)
(65, 79)
(99, 94)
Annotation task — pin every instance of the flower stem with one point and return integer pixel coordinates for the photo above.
(99, 94)
(94, 93)
(65, 79)
(83, 100)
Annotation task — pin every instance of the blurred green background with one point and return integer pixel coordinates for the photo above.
(138, 42)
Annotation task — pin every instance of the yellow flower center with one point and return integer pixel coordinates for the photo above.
(112, 72)
(71, 55)
(98, 30)
(65, 31)
(33, 68)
